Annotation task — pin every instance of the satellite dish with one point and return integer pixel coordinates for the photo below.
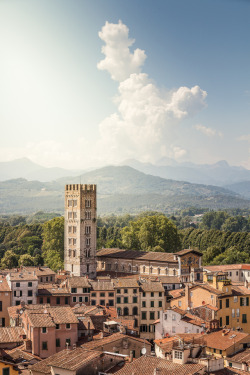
(143, 351)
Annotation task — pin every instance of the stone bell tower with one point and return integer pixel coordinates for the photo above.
(80, 230)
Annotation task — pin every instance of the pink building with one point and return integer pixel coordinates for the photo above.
(50, 329)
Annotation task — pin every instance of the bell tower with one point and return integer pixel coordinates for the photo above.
(80, 230)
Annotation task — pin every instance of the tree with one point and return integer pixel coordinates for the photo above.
(150, 232)
(26, 260)
(10, 260)
(53, 236)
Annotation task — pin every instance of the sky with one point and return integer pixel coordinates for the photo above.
(86, 83)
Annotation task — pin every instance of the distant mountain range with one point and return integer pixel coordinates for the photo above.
(121, 189)
(218, 174)
(25, 168)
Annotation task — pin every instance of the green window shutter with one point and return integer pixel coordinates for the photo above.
(241, 301)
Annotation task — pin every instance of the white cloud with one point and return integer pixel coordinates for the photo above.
(209, 132)
(119, 61)
(143, 125)
(245, 137)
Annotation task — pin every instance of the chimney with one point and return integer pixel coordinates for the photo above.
(131, 356)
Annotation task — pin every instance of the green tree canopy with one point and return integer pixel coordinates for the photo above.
(9, 260)
(150, 233)
(26, 260)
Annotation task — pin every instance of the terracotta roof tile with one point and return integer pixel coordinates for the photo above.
(102, 285)
(146, 366)
(11, 334)
(59, 315)
(66, 359)
(152, 286)
(139, 255)
(4, 286)
(227, 267)
(78, 282)
(187, 251)
(216, 340)
(125, 283)
(106, 340)
(243, 356)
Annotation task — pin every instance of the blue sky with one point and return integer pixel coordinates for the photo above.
(65, 103)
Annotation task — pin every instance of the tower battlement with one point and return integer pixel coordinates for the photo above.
(85, 187)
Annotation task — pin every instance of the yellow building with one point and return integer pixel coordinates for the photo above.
(234, 310)
(7, 368)
(226, 342)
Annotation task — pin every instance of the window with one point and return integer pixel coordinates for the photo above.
(69, 215)
(143, 304)
(244, 318)
(173, 317)
(134, 299)
(233, 313)
(44, 345)
(87, 215)
(125, 311)
(68, 325)
(134, 290)
(144, 315)
(220, 322)
(125, 291)
(86, 299)
(143, 328)
(74, 243)
(111, 294)
(66, 300)
(87, 229)
(74, 299)
(177, 354)
(135, 310)
(74, 229)
(227, 320)
(179, 303)
(58, 343)
(73, 290)
(48, 299)
(57, 326)
(160, 294)
(165, 316)
(152, 294)
(74, 215)
(227, 302)
(237, 313)
(160, 303)
(235, 298)
(125, 300)
(41, 300)
(152, 315)
(30, 301)
(58, 300)
(143, 294)
(88, 241)
(30, 293)
(152, 304)
(70, 203)
(173, 329)
(87, 203)
(102, 302)
(74, 202)
(93, 294)
(69, 229)
(29, 284)
(17, 303)
(17, 285)
(67, 341)
(118, 300)
(44, 330)
(102, 294)
(6, 371)
(111, 302)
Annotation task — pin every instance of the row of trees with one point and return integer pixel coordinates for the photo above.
(39, 244)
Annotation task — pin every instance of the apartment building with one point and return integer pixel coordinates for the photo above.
(24, 286)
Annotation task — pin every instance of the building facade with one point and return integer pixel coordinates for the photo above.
(80, 230)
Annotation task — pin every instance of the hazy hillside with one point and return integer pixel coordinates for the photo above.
(25, 168)
(120, 190)
(242, 188)
(219, 174)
